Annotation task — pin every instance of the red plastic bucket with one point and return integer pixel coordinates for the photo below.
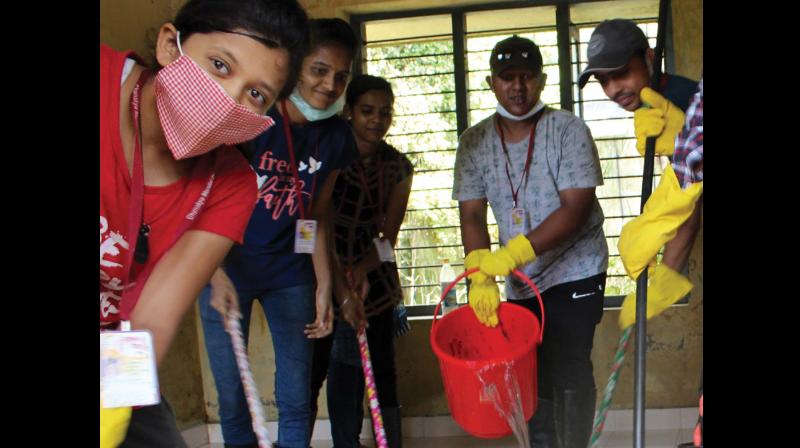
(465, 346)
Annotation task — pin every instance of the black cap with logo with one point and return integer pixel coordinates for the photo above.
(515, 51)
(611, 46)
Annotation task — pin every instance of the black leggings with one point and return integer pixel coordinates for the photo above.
(380, 336)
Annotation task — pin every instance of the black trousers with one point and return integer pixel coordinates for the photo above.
(153, 427)
(319, 368)
(572, 311)
(380, 336)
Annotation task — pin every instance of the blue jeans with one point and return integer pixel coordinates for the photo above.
(288, 310)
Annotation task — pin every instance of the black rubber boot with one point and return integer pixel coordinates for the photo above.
(574, 415)
(541, 427)
(249, 445)
(393, 425)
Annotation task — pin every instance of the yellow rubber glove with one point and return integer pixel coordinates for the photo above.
(484, 298)
(662, 120)
(667, 208)
(473, 260)
(664, 288)
(517, 252)
(484, 295)
(113, 425)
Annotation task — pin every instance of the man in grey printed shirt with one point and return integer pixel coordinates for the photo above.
(538, 168)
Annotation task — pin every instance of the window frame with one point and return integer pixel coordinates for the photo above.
(566, 42)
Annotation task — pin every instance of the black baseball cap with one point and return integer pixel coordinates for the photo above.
(515, 51)
(611, 46)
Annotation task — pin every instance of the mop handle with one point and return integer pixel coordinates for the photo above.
(640, 350)
(372, 394)
(233, 327)
(369, 375)
(521, 275)
(602, 410)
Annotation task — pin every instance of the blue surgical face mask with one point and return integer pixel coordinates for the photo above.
(506, 114)
(310, 112)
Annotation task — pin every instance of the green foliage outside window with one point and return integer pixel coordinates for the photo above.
(425, 129)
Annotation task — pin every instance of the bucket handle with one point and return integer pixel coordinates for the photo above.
(521, 275)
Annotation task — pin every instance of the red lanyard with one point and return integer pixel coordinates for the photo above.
(514, 193)
(360, 168)
(295, 173)
(136, 210)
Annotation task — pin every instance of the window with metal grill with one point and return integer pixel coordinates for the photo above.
(416, 56)
(437, 62)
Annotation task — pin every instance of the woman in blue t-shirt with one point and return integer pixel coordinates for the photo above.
(284, 259)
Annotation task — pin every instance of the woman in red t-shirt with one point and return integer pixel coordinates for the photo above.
(174, 195)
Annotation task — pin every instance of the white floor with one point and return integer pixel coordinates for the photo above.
(665, 428)
(664, 438)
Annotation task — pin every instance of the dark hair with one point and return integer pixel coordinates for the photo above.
(325, 32)
(275, 23)
(641, 54)
(362, 84)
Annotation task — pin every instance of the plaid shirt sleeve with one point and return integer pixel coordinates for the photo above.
(689, 143)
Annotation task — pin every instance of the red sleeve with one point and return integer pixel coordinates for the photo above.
(232, 198)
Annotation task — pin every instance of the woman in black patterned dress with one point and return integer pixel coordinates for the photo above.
(369, 202)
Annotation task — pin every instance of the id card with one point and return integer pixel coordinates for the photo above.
(128, 375)
(385, 249)
(305, 236)
(518, 221)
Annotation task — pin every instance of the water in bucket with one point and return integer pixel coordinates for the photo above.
(489, 373)
(465, 347)
(507, 399)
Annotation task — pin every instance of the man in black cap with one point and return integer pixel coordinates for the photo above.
(621, 60)
(539, 168)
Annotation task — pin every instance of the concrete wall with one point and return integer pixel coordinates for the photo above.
(134, 24)
(687, 27)
(181, 377)
(674, 339)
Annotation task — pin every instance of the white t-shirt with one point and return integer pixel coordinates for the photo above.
(564, 157)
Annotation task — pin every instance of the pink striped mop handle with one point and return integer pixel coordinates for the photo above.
(369, 376)
(372, 394)
(233, 327)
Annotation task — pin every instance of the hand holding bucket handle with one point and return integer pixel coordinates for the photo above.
(516, 272)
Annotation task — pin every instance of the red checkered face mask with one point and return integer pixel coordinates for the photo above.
(196, 112)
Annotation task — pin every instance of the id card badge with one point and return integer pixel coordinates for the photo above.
(305, 236)
(518, 221)
(385, 249)
(128, 375)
